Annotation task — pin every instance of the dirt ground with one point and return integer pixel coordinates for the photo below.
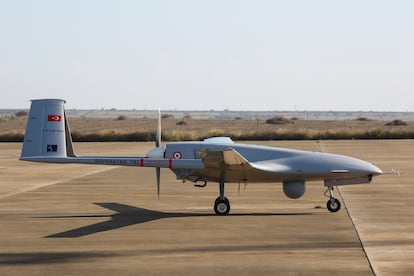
(88, 220)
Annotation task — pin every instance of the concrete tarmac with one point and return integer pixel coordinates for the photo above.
(88, 220)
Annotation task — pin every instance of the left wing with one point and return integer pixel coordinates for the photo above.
(227, 165)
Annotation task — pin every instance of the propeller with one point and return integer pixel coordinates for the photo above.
(157, 152)
(158, 135)
(158, 145)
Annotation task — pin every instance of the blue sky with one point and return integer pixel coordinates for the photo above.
(201, 55)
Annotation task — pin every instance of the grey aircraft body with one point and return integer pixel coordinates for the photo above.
(217, 159)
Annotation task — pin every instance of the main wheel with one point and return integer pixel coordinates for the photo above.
(225, 198)
(333, 205)
(222, 206)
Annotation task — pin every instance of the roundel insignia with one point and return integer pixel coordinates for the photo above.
(177, 155)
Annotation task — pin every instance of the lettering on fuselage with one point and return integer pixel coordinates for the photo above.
(46, 130)
(111, 161)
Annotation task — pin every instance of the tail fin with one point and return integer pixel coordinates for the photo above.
(47, 132)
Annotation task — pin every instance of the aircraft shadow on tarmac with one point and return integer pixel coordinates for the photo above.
(128, 215)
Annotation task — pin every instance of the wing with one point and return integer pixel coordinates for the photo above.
(230, 166)
(220, 158)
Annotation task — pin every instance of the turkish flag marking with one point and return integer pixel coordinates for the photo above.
(54, 118)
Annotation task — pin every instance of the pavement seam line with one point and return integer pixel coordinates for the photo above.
(352, 221)
(56, 182)
(356, 231)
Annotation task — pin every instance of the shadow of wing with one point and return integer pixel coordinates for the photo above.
(125, 216)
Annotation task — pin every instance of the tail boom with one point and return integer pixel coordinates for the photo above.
(122, 161)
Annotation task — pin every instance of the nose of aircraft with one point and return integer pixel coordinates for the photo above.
(366, 167)
(374, 170)
(354, 165)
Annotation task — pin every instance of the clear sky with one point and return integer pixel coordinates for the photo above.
(200, 55)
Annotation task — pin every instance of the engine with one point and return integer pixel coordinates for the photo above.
(294, 189)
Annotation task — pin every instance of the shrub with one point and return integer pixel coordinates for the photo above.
(396, 123)
(181, 123)
(11, 137)
(279, 120)
(121, 118)
(167, 116)
(21, 113)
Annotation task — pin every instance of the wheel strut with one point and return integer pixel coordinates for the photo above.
(333, 204)
(222, 204)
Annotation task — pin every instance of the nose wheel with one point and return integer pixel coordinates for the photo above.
(333, 204)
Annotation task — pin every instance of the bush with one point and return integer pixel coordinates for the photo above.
(362, 119)
(279, 120)
(11, 137)
(21, 113)
(167, 116)
(181, 123)
(396, 123)
(121, 118)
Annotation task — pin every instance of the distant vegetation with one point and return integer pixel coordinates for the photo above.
(396, 123)
(122, 117)
(181, 123)
(123, 128)
(362, 119)
(21, 113)
(167, 116)
(279, 120)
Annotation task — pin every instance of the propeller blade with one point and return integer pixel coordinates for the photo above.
(158, 173)
(157, 145)
(158, 135)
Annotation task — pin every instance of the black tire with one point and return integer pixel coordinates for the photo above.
(333, 205)
(225, 198)
(222, 206)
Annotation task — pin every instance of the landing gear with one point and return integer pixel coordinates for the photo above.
(222, 204)
(333, 204)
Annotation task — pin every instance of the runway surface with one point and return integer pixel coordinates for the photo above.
(85, 219)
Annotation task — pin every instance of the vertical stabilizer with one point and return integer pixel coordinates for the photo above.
(47, 133)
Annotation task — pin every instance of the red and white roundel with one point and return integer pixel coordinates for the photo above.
(177, 155)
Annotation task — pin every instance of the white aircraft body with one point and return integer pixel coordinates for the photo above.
(218, 159)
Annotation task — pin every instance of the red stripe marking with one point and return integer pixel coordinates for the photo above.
(170, 163)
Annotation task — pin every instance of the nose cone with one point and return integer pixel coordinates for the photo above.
(374, 170)
(353, 166)
(364, 167)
